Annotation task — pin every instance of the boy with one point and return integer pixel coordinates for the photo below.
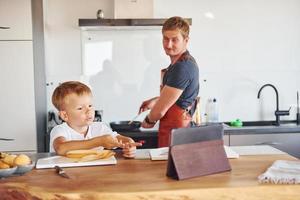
(73, 100)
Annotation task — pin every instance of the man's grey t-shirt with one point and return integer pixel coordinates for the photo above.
(184, 75)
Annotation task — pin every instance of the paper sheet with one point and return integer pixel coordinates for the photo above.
(256, 150)
(162, 153)
(142, 154)
(159, 153)
(230, 153)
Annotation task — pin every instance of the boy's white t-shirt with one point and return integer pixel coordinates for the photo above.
(64, 130)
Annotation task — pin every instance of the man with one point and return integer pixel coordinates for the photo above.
(179, 84)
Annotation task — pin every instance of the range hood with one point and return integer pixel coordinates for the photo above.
(87, 24)
(137, 14)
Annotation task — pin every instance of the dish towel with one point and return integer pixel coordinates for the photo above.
(282, 172)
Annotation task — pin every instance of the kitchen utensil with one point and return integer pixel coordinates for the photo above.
(61, 172)
(134, 118)
(125, 126)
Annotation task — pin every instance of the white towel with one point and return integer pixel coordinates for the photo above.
(282, 172)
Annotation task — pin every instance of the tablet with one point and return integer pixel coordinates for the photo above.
(196, 134)
(192, 135)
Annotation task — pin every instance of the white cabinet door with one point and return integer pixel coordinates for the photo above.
(17, 117)
(15, 20)
(287, 142)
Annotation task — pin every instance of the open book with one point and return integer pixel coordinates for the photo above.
(159, 153)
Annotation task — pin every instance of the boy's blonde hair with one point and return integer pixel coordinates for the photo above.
(177, 23)
(63, 90)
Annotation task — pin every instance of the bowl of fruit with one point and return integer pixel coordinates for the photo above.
(11, 164)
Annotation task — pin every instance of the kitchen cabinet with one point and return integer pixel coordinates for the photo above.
(17, 117)
(287, 142)
(226, 140)
(17, 89)
(15, 20)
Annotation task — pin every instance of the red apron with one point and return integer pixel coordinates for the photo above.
(175, 117)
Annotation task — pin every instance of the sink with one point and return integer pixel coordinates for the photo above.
(259, 123)
(265, 123)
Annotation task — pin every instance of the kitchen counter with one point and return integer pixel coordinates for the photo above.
(288, 128)
(145, 179)
(266, 129)
(285, 137)
(228, 130)
(262, 127)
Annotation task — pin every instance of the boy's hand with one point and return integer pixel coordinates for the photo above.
(109, 142)
(129, 147)
(129, 152)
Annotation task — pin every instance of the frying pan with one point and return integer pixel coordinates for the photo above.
(124, 126)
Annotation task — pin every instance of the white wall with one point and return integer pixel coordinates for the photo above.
(239, 46)
(62, 38)
(122, 67)
(245, 45)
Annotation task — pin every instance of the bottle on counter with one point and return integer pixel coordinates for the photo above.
(212, 111)
(197, 114)
(215, 111)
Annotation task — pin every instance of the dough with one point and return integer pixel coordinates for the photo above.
(9, 159)
(22, 159)
(3, 165)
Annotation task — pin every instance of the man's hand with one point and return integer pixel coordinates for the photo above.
(148, 104)
(146, 125)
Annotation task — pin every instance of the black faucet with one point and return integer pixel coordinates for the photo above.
(278, 112)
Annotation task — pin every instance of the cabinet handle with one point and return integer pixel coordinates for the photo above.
(4, 27)
(268, 143)
(7, 139)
